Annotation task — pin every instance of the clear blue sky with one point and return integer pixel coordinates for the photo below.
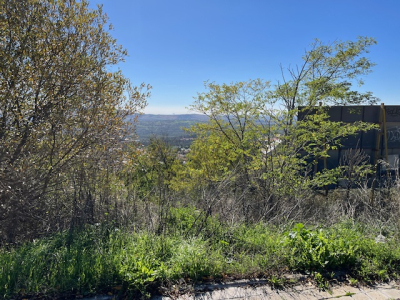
(175, 45)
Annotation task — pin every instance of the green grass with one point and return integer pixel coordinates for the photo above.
(102, 259)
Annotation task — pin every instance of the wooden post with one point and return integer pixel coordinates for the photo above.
(325, 160)
(378, 155)
(385, 138)
(378, 139)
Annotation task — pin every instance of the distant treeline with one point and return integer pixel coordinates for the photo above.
(168, 127)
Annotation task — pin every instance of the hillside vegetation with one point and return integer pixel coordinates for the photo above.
(84, 209)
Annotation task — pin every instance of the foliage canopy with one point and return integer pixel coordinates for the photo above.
(61, 105)
(254, 139)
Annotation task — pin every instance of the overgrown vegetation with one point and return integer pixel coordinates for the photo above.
(109, 259)
(83, 209)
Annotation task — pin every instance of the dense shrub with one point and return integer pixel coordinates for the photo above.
(106, 259)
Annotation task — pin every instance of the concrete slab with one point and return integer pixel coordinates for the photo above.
(254, 290)
(391, 292)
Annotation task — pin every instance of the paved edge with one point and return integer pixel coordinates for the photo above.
(260, 289)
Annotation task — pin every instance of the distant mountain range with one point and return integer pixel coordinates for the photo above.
(168, 127)
(184, 117)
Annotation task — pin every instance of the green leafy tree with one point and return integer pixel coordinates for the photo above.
(60, 102)
(327, 75)
(253, 139)
(149, 179)
(234, 128)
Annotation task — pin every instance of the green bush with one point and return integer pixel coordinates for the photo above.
(341, 248)
(103, 258)
(189, 221)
